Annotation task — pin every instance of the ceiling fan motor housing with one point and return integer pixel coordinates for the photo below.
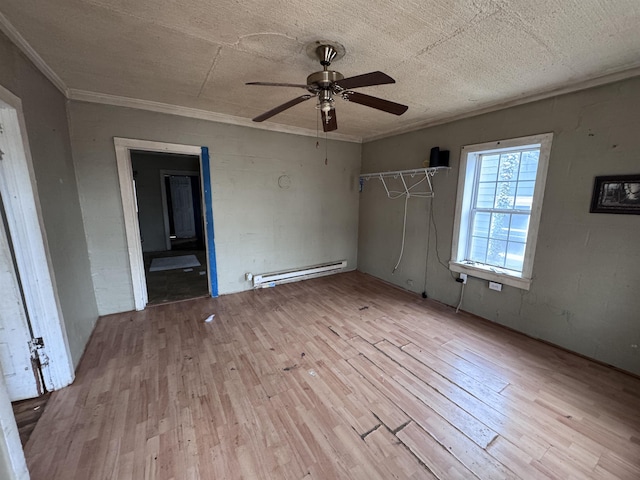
(324, 79)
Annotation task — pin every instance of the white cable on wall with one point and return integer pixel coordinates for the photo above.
(461, 297)
(404, 231)
(393, 195)
(406, 193)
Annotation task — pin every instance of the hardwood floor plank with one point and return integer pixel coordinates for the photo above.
(302, 381)
(458, 443)
(367, 395)
(617, 467)
(490, 409)
(437, 459)
(395, 457)
(423, 392)
(516, 459)
(487, 377)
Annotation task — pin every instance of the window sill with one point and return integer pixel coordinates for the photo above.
(493, 276)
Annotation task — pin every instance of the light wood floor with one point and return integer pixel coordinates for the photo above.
(341, 377)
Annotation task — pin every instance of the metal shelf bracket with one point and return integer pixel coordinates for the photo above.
(423, 175)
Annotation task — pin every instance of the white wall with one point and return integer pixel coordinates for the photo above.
(259, 227)
(584, 294)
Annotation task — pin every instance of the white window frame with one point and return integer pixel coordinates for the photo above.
(469, 158)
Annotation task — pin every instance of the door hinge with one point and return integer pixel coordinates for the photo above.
(36, 344)
(36, 347)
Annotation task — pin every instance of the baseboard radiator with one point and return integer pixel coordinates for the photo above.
(266, 280)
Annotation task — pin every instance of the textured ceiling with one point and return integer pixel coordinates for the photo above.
(449, 58)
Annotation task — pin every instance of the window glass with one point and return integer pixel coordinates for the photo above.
(505, 182)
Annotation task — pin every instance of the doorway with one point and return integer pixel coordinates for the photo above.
(170, 216)
(157, 241)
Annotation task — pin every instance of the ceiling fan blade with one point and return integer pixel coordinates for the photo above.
(375, 102)
(365, 80)
(281, 108)
(275, 84)
(332, 124)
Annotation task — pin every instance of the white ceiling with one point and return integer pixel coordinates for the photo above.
(449, 58)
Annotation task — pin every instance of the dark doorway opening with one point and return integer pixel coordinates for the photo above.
(171, 219)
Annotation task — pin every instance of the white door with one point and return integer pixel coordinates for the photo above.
(15, 356)
(182, 205)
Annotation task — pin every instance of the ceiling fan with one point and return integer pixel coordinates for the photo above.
(327, 84)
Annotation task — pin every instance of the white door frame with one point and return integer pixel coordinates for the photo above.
(123, 148)
(24, 219)
(165, 209)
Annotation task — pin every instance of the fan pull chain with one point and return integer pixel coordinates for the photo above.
(326, 149)
(318, 130)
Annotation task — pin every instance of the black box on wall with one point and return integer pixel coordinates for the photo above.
(438, 158)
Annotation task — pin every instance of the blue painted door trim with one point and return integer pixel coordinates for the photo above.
(208, 215)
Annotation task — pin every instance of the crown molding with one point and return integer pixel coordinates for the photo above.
(582, 85)
(118, 101)
(10, 31)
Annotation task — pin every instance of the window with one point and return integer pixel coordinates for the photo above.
(500, 191)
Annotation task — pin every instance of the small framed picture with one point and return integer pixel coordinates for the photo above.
(616, 194)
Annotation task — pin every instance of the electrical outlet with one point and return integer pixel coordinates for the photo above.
(463, 277)
(495, 286)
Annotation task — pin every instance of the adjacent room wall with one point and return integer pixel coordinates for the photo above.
(149, 193)
(47, 128)
(260, 225)
(584, 294)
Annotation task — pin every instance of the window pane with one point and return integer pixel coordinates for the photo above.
(489, 168)
(500, 226)
(519, 228)
(478, 249)
(486, 195)
(496, 252)
(509, 166)
(505, 194)
(524, 198)
(529, 165)
(515, 256)
(481, 222)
